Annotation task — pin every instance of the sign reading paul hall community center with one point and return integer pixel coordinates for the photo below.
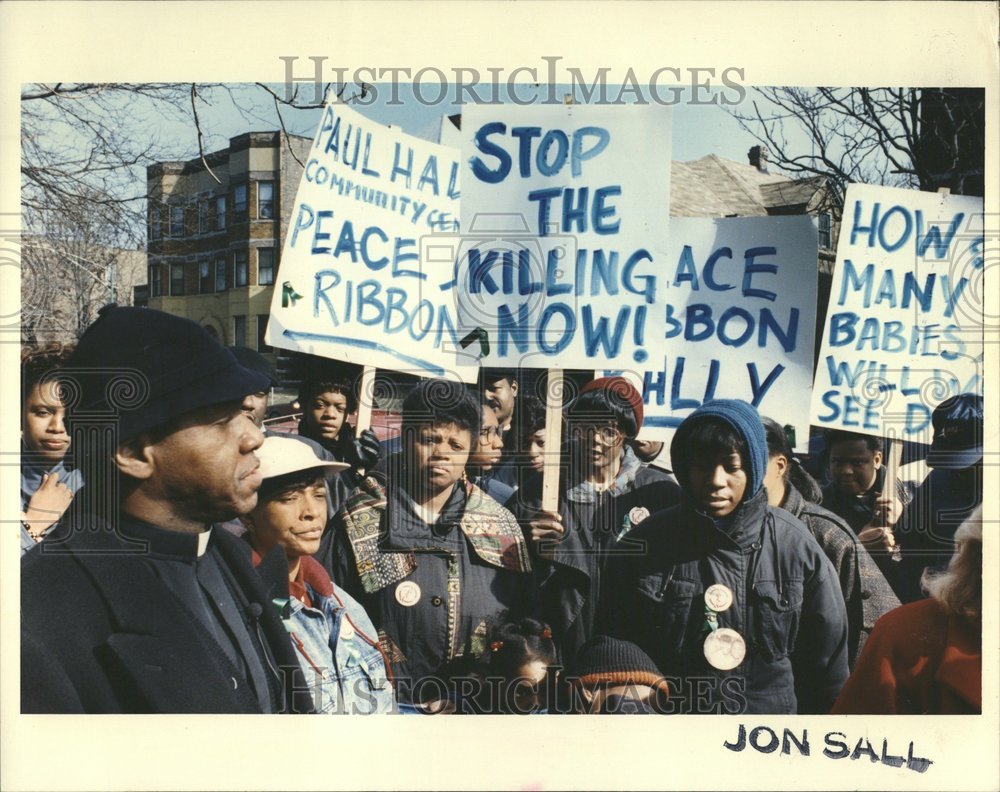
(564, 219)
(904, 327)
(356, 283)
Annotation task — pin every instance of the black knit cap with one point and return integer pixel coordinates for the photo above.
(253, 360)
(148, 367)
(605, 660)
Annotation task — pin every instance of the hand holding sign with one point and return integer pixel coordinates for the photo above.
(877, 539)
(547, 531)
(888, 510)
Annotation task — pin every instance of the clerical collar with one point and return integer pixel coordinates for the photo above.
(161, 542)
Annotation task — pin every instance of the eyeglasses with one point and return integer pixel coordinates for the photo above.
(489, 433)
(607, 434)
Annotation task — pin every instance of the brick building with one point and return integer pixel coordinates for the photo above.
(215, 242)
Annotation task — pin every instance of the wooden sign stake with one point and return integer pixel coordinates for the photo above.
(553, 440)
(366, 399)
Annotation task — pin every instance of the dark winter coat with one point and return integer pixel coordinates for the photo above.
(596, 528)
(103, 632)
(867, 594)
(786, 600)
(462, 572)
(944, 500)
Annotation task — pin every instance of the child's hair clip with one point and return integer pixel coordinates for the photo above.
(496, 645)
(546, 633)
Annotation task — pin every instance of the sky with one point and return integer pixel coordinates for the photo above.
(698, 130)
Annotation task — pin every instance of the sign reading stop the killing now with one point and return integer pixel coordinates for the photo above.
(564, 219)
(904, 326)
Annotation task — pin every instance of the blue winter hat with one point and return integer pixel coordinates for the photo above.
(745, 420)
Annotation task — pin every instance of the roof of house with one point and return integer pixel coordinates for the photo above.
(719, 187)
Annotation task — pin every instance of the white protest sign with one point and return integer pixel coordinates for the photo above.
(564, 218)
(449, 134)
(904, 328)
(355, 283)
(735, 320)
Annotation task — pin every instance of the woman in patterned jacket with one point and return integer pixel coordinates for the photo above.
(430, 556)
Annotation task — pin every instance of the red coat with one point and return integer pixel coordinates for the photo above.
(918, 660)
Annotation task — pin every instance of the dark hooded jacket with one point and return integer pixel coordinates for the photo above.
(786, 600)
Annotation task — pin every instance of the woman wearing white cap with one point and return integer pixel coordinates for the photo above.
(336, 643)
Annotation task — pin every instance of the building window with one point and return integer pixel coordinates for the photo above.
(203, 210)
(176, 280)
(261, 327)
(825, 231)
(240, 267)
(220, 213)
(154, 280)
(240, 330)
(265, 266)
(154, 224)
(205, 280)
(240, 199)
(265, 200)
(220, 274)
(176, 221)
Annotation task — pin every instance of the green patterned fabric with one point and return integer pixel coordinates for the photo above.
(363, 512)
(493, 532)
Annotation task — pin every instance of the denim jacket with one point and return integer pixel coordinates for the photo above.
(337, 648)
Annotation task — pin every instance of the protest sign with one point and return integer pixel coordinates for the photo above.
(564, 218)
(355, 283)
(735, 320)
(904, 325)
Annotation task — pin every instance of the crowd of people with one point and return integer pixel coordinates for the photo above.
(181, 556)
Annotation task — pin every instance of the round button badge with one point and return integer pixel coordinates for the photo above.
(718, 597)
(346, 629)
(407, 593)
(725, 649)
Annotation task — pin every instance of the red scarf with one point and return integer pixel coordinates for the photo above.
(310, 571)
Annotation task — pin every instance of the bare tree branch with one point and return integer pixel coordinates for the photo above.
(201, 137)
(871, 135)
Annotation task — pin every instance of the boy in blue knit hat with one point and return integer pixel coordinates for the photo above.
(730, 595)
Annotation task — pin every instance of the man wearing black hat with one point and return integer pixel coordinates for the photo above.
(952, 490)
(256, 402)
(138, 604)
